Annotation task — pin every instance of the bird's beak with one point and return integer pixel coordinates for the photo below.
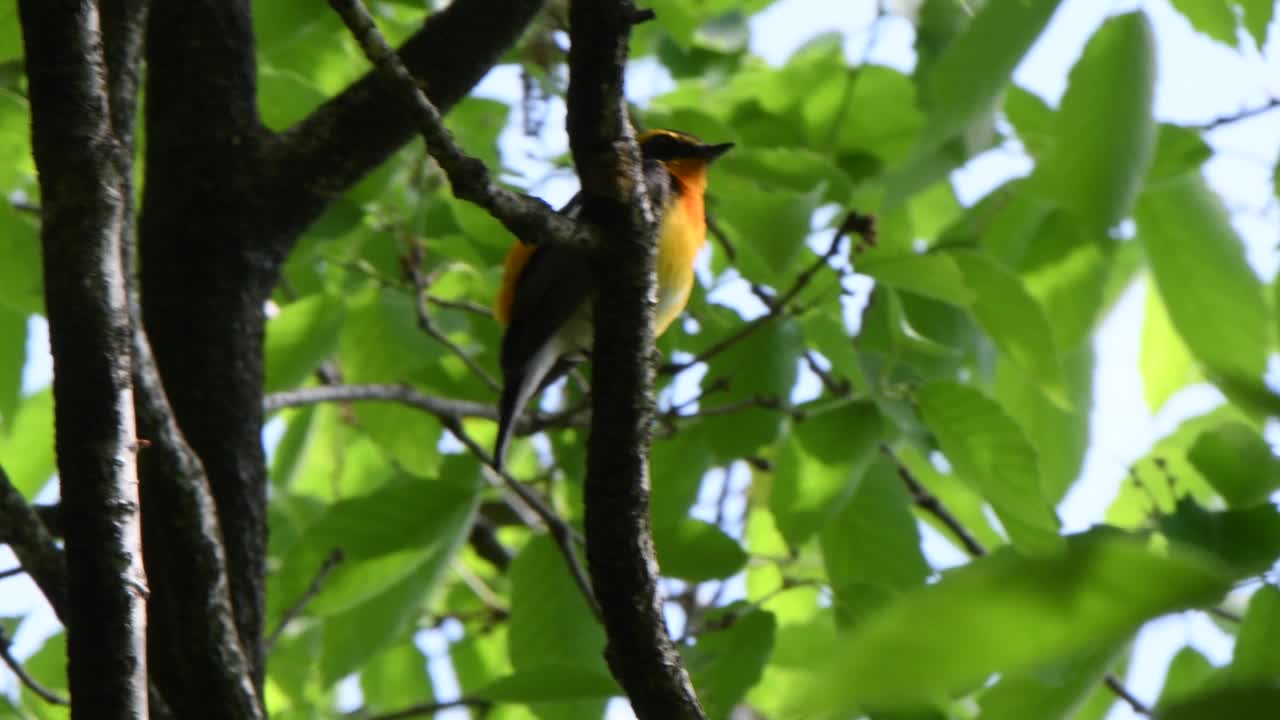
(711, 152)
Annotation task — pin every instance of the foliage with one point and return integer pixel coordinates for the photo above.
(800, 579)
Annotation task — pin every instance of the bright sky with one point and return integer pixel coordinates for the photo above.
(1198, 81)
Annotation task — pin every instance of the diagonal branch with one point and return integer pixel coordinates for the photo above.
(347, 137)
(24, 677)
(528, 218)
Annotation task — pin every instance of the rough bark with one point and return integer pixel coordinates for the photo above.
(620, 555)
(224, 202)
(83, 219)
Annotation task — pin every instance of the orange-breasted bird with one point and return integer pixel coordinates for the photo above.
(546, 294)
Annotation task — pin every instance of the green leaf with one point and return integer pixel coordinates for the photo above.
(1188, 673)
(873, 539)
(395, 678)
(550, 623)
(726, 663)
(989, 450)
(286, 97)
(820, 465)
(767, 224)
(1032, 119)
(833, 111)
(1060, 436)
(932, 275)
(725, 33)
(967, 80)
(1257, 652)
(1246, 541)
(1053, 692)
(677, 464)
(551, 683)
(403, 529)
(1009, 613)
(1257, 18)
(299, 338)
(695, 550)
(21, 279)
(1163, 358)
(763, 365)
(1179, 150)
(13, 357)
(49, 666)
(1214, 18)
(1104, 132)
(1066, 269)
(1199, 266)
(1238, 462)
(1015, 321)
(26, 443)
(1228, 703)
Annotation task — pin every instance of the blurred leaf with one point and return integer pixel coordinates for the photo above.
(1228, 703)
(1197, 258)
(1031, 118)
(724, 664)
(1015, 321)
(1104, 131)
(726, 33)
(1052, 692)
(1238, 462)
(286, 97)
(768, 226)
(834, 111)
(989, 450)
(1246, 541)
(1009, 613)
(13, 358)
(550, 623)
(1257, 653)
(820, 465)
(1214, 18)
(21, 279)
(395, 678)
(1188, 673)
(1257, 18)
(1163, 358)
(403, 529)
(677, 464)
(932, 275)
(26, 443)
(1060, 436)
(763, 365)
(696, 550)
(1179, 150)
(968, 78)
(551, 683)
(49, 666)
(873, 538)
(299, 338)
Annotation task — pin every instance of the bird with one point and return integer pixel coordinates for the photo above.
(546, 292)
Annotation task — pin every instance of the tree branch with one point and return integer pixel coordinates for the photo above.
(1245, 114)
(528, 218)
(620, 554)
(347, 137)
(34, 547)
(24, 677)
(334, 559)
(82, 189)
(432, 708)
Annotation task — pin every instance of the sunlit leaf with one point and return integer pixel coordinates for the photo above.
(1215, 18)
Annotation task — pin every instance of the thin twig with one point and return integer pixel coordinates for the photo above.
(330, 563)
(421, 283)
(1218, 122)
(561, 532)
(929, 503)
(1116, 686)
(24, 677)
(11, 572)
(855, 222)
